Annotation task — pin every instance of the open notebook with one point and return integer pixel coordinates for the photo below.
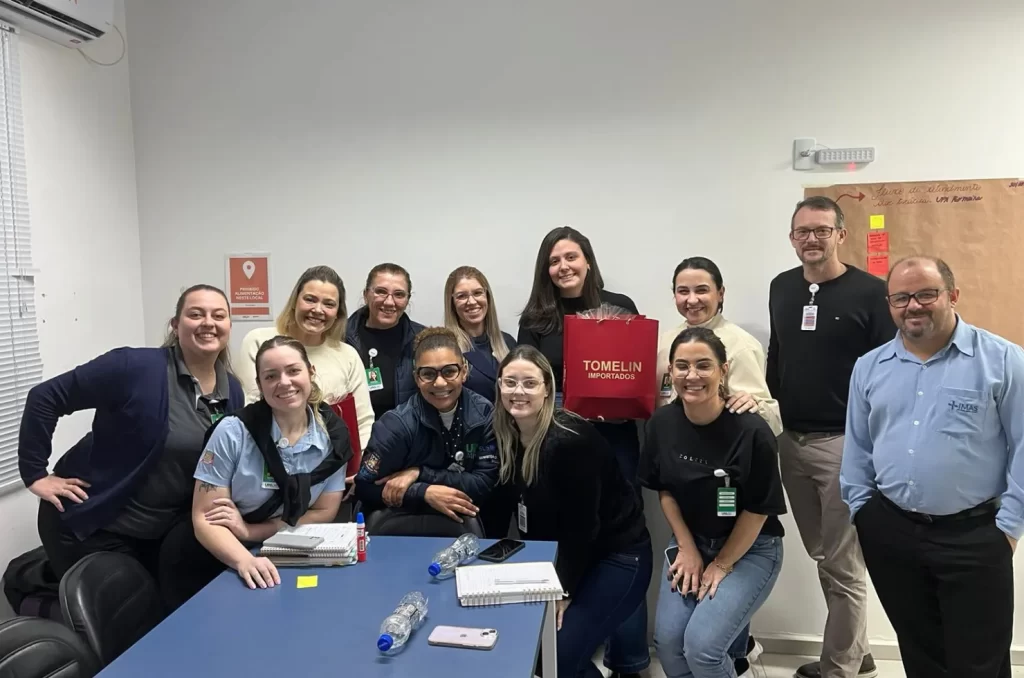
(507, 583)
(337, 548)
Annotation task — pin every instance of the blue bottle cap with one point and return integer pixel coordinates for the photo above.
(434, 569)
(359, 517)
(385, 642)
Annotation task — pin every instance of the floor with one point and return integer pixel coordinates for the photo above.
(783, 666)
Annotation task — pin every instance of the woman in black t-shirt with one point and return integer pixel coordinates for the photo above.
(568, 487)
(718, 480)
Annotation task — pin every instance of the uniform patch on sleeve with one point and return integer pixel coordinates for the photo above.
(207, 458)
(372, 462)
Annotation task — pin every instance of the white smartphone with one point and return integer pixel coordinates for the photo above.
(299, 542)
(670, 557)
(461, 636)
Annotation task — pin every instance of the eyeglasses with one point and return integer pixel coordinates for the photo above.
(821, 233)
(463, 297)
(530, 386)
(923, 297)
(382, 293)
(703, 368)
(428, 375)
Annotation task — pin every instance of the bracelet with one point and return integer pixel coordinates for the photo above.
(724, 568)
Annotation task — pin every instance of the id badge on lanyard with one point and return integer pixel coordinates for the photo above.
(268, 479)
(725, 501)
(522, 517)
(374, 382)
(809, 319)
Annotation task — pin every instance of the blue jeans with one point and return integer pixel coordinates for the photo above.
(626, 650)
(606, 596)
(693, 639)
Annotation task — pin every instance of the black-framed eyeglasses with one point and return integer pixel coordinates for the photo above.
(821, 233)
(428, 375)
(923, 297)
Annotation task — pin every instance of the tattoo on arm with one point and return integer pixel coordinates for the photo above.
(207, 487)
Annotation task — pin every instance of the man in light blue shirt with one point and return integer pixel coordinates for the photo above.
(933, 473)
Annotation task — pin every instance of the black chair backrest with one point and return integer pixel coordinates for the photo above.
(31, 647)
(112, 601)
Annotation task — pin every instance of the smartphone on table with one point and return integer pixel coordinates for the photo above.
(461, 636)
(501, 550)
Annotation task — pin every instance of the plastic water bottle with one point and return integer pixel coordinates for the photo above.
(461, 551)
(407, 617)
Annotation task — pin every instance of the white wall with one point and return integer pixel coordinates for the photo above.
(82, 202)
(444, 133)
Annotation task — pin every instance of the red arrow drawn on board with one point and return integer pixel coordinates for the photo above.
(860, 196)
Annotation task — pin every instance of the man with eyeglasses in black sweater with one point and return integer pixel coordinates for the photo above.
(824, 315)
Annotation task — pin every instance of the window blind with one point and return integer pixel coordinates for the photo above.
(21, 366)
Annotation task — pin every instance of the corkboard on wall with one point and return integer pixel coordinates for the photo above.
(976, 226)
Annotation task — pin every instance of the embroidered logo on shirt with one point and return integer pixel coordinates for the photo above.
(208, 457)
(967, 408)
(695, 460)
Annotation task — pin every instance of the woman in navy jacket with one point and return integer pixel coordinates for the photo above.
(128, 483)
(432, 460)
(470, 313)
(383, 333)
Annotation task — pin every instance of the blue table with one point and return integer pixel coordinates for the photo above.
(331, 630)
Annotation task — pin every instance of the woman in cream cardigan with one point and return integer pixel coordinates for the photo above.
(315, 315)
(700, 294)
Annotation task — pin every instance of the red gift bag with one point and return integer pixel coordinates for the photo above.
(609, 367)
(346, 409)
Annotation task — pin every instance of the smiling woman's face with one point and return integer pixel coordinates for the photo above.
(284, 379)
(697, 296)
(440, 373)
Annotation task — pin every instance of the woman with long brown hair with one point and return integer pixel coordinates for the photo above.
(470, 312)
(127, 484)
(566, 281)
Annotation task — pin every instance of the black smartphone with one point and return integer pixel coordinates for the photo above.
(501, 550)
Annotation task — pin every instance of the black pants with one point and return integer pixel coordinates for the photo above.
(179, 564)
(947, 588)
(395, 522)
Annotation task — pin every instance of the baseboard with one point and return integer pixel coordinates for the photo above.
(810, 646)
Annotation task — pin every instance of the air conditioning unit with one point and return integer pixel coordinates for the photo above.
(71, 23)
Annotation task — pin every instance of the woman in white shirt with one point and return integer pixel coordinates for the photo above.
(315, 315)
(700, 295)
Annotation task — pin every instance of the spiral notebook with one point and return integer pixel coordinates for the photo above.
(507, 583)
(337, 548)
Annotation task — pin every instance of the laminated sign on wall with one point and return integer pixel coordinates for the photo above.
(973, 224)
(248, 286)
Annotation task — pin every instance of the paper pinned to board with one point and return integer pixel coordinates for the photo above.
(877, 221)
(878, 264)
(878, 242)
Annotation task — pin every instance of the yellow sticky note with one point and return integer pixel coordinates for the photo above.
(307, 581)
(877, 221)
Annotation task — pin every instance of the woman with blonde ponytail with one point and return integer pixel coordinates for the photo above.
(277, 462)
(561, 475)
